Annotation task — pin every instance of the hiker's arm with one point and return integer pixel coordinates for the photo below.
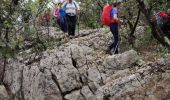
(64, 3)
(115, 14)
(78, 7)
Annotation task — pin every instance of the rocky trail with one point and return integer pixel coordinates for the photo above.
(80, 70)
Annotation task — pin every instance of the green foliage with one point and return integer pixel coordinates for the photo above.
(17, 24)
(90, 13)
(167, 77)
(161, 51)
(7, 52)
(144, 39)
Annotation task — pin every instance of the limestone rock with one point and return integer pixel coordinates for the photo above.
(75, 95)
(121, 61)
(93, 74)
(3, 93)
(79, 70)
(87, 93)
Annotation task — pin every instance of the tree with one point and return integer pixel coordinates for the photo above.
(147, 8)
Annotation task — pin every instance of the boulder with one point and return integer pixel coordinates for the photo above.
(75, 95)
(121, 61)
(3, 93)
(87, 93)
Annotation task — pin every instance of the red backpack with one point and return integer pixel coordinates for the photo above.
(106, 18)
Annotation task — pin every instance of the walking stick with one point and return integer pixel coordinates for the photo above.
(78, 23)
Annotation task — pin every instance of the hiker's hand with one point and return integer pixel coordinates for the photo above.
(78, 12)
(153, 19)
(124, 22)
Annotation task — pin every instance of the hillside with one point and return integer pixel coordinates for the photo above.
(79, 69)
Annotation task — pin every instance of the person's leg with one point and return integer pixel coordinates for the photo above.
(116, 39)
(48, 29)
(108, 51)
(115, 44)
(65, 25)
(59, 23)
(69, 24)
(166, 29)
(73, 28)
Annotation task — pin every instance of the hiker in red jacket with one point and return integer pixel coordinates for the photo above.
(114, 28)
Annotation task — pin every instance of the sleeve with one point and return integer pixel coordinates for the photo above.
(62, 6)
(77, 5)
(114, 13)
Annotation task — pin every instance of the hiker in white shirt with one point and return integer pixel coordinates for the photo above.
(71, 8)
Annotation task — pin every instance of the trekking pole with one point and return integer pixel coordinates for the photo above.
(78, 23)
(117, 47)
(48, 31)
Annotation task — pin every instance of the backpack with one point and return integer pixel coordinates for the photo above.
(106, 18)
(160, 18)
(56, 12)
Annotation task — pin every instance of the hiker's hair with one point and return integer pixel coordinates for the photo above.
(115, 4)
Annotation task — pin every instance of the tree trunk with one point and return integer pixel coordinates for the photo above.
(131, 38)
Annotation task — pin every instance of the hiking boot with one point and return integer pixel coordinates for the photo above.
(108, 51)
(70, 37)
(116, 51)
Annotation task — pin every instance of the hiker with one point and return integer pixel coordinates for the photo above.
(71, 8)
(166, 24)
(60, 17)
(38, 22)
(47, 17)
(162, 20)
(113, 24)
(27, 22)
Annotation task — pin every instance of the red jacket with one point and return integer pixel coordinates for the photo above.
(163, 15)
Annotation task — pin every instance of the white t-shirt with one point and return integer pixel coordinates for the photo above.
(71, 8)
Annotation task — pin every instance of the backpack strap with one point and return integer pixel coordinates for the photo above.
(75, 4)
(65, 6)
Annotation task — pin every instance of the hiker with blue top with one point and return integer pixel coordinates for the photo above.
(113, 10)
(59, 13)
(71, 8)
